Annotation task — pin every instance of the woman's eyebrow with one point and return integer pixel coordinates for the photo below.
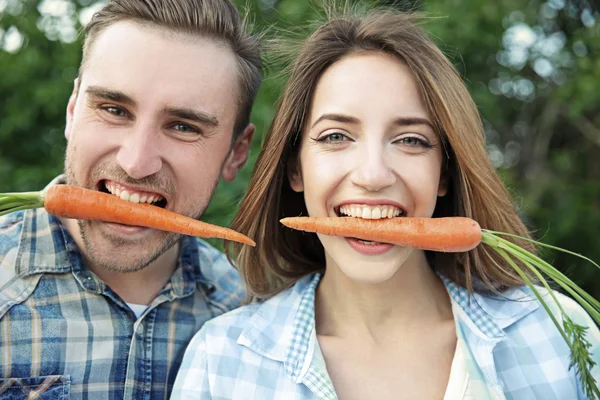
(401, 121)
(407, 121)
(337, 118)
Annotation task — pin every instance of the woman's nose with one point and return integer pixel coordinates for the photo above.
(372, 170)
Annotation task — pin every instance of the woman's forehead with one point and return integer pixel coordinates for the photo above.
(366, 85)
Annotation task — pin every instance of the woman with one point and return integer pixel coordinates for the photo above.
(376, 123)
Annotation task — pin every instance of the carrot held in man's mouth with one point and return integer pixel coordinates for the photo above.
(79, 203)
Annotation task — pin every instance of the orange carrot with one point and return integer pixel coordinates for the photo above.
(452, 234)
(458, 234)
(78, 203)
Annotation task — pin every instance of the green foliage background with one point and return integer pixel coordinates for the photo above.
(533, 68)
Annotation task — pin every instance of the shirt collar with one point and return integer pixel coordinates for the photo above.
(281, 327)
(45, 246)
(488, 314)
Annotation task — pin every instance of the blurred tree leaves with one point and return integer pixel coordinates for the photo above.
(532, 67)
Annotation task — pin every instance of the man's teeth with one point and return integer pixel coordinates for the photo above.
(132, 196)
(370, 212)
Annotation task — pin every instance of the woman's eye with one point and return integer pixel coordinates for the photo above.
(414, 141)
(333, 137)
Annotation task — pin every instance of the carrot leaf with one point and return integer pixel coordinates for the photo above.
(572, 333)
(12, 202)
(545, 245)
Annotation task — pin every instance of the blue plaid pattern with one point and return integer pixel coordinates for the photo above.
(269, 350)
(65, 334)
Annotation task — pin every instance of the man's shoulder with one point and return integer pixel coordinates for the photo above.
(11, 226)
(265, 327)
(13, 289)
(220, 276)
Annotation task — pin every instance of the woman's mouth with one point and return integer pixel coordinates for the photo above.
(374, 212)
(365, 211)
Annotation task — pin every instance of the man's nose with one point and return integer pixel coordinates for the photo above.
(139, 154)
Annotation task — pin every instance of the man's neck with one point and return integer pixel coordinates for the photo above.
(141, 287)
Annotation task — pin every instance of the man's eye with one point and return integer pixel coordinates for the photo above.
(184, 128)
(116, 111)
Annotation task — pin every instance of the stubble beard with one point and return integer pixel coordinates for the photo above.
(94, 252)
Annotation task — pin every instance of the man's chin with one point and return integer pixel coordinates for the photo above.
(122, 267)
(125, 253)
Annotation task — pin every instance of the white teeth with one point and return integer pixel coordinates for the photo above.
(366, 213)
(376, 213)
(370, 212)
(134, 198)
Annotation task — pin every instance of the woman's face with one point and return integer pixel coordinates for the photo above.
(368, 151)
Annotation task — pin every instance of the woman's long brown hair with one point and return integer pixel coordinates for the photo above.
(282, 256)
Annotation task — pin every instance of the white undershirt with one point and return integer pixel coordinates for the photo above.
(138, 309)
(458, 383)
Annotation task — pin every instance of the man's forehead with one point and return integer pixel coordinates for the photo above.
(144, 64)
(120, 37)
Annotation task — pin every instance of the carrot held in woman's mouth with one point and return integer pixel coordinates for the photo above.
(78, 203)
(459, 234)
(452, 234)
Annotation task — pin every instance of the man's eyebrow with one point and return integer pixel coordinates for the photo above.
(337, 118)
(108, 94)
(193, 115)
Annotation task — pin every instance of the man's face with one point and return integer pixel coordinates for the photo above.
(151, 121)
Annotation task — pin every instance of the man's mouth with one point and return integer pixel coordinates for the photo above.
(132, 195)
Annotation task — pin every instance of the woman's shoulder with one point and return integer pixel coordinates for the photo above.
(265, 320)
(524, 298)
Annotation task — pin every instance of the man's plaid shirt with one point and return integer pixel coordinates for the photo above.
(65, 334)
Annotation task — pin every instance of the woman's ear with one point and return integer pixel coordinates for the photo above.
(443, 186)
(295, 175)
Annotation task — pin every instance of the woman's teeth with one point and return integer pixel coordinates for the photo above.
(369, 212)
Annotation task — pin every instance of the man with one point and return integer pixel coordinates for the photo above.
(159, 112)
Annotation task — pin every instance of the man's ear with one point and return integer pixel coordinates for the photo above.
(238, 154)
(71, 108)
(295, 175)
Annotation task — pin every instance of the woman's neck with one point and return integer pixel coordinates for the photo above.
(413, 298)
